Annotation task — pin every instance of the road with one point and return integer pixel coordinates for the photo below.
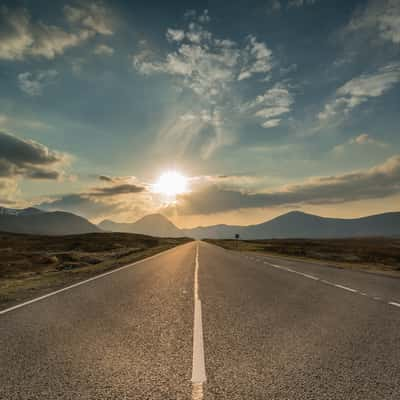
(240, 326)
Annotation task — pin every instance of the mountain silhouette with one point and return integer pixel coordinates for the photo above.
(294, 224)
(153, 225)
(298, 224)
(35, 221)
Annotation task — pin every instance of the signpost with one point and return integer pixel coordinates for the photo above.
(237, 237)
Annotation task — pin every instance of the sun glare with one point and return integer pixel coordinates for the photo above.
(171, 183)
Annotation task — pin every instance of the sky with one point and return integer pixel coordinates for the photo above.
(264, 106)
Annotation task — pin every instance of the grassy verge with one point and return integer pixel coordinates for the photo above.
(33, 265)
(378, 255)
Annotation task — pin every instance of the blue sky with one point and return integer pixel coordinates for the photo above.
(265, 106)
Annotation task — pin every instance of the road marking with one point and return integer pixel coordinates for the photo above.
(26, 303)
(346, 288)
(309, 276)
(315, 278)
(198, 366)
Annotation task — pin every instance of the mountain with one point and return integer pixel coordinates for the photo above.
(297, 224)
(153, 225)
(214, 231)
(35, 221)
(23, 211)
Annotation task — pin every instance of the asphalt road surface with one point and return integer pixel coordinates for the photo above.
(201, 322)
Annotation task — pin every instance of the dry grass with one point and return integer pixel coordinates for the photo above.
(32, 265)
(370, 254)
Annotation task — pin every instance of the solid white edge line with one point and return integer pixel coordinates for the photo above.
(7, 310)
(315, 278)
(198, 366)
(309, 276)
(392, 303)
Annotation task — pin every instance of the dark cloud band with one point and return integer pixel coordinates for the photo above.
(378, 182)
(19, 157)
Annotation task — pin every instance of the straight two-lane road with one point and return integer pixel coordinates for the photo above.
(261, 327)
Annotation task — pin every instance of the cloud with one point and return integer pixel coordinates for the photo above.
(272, 104)
(106, 178)
(20, 37)
(300, 3)
(7, 121)
(210, 69)
(103, 50)
(205, 63)
(205, 127)
(362, 139)
(257, 59)
(277, 5)
(3, 119)
(8, 190)
(33, 83)
(117, 190)
(175, 35)
(114, 198)
(90, 15)
(29, 159)
(381, 17)
(361, 89)
(79, 204)
(374, 183)
(274, 5)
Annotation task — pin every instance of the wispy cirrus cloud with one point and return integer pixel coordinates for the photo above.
(277, 5)
(34, 83)
(212, 68)
(7, 121)
(91, 15)
(360, 140)
(21, 37)
(103, 50)
(361, 89)
(270, 106)
(379, 18)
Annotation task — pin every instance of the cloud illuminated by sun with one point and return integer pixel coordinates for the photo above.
(171, 183)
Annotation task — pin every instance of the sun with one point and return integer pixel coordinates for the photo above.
(171, 183)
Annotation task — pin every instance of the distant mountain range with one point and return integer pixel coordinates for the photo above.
(35, 221)
(294, 224)
(152, 225)
(297, 224)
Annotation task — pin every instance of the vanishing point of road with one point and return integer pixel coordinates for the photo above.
(201, 322)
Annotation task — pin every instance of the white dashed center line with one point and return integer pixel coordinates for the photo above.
(198, 368)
